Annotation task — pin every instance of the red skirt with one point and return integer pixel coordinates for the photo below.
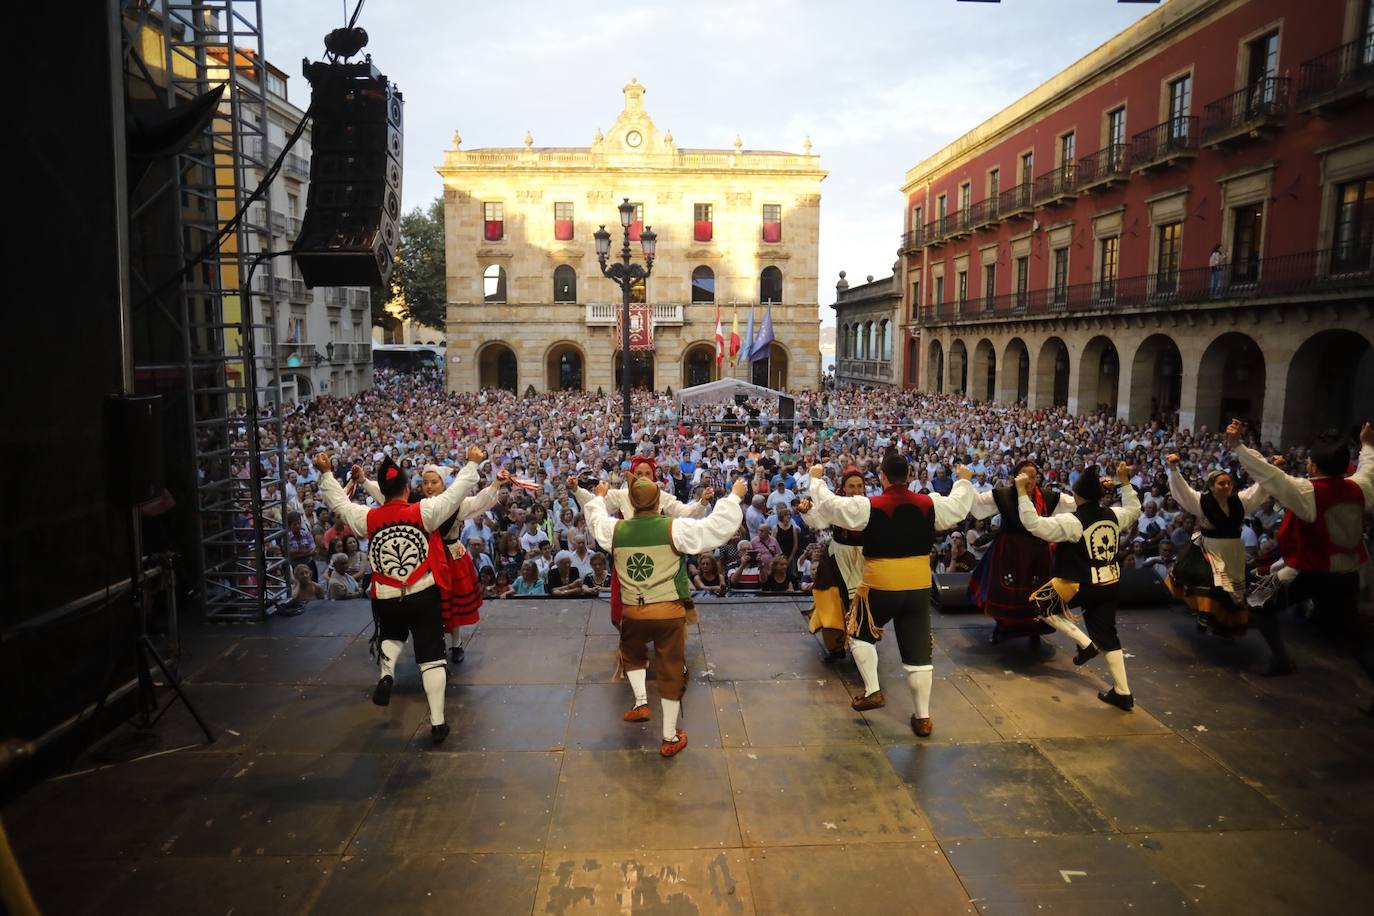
(461, 601)
(1014, 566)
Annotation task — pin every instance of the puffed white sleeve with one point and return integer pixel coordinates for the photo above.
(671, 506)
(1293, 493)
(692, 536)
(850, 512)
(480, 502)
(600, 525)
(984, 505)
(1129, 510)
(1047, 528)
(352, 513)
(1187, 498)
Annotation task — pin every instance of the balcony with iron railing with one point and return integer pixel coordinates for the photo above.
(1016, 202)
(933, 233)
(335, 298)
(278, 221)
(281, 287)
(984, 214)
(1165, 145)
(1311, 273)
(1341, 76)
(295, 355)
(957, 224)
(1055, 187)
(360, 298)
(296, 167)
(1104, 169)
(911, 241)
(293, 226)
(299, 293)
(1246, 114)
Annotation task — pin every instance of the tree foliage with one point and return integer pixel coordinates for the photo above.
(418, 284)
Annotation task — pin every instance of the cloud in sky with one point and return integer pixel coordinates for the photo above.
(878, 85)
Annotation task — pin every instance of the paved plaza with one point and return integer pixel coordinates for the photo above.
(1223, 792)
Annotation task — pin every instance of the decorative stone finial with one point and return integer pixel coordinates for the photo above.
(870, 278)
(457, 140)
(529, 140)
(598, 138)
(738, 143)
(806, 145)
(842, 285)
(668, 137)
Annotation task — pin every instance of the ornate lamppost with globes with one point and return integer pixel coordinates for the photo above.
(624, 274)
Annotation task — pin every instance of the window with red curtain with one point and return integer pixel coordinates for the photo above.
(772, 222)
(701, 222)
(493, 221)
(563, 222)
(637, 224)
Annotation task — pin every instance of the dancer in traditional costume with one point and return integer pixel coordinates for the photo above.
(409, 566)
(1219, 599)
(461, 596)
(1321, 535)
(898, 532)
(839, 573)
(647, 550)
(1087, 569)
(1017, 562)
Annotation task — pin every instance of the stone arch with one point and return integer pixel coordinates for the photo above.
(1230, 383)
(958, 367)
(983, 378)
(497, 366)
(935, 367)
(1330, 385)
(1156, 381)
(699, 364)
(1050, 385)
(771, 372)
(565, 284)
(565, 367)
(1099, 376)
(1015, 372)
(641, 369)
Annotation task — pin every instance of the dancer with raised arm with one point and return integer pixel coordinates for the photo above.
(898, 531)
(839, 573)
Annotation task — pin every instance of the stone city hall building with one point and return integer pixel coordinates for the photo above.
(1178, 225)
(528, 306)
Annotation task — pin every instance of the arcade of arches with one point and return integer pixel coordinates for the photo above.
(1289, 379)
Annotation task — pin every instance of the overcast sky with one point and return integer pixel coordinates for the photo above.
(878, 86)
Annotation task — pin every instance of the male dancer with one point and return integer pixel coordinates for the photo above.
(1017, 563)
(898, 531)
(1086, 568)
(1321, 534)
(406, 553)
(647, 551)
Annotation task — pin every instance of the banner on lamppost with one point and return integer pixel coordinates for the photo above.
(641, 327)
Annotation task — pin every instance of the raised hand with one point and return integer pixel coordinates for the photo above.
(804, 506)
(1234, 430)
(707, 495)
(572, 484)
(739, 488)
(1025, 482)
(1366, 434)
(475, 453)
(963, 472)
(1123, 473)
(602, 488)
(817, 471)
(1173, 460)
(323, 463)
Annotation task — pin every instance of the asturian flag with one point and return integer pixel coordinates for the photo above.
(720, 341)
(734, 335)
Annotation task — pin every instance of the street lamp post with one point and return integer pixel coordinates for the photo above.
(624, 274)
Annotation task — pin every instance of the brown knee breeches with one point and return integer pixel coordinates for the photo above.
(670, 652)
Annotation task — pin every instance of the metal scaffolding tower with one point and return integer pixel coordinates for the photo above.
(227, 317)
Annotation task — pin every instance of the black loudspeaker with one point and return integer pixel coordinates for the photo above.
(949, 594)
(1142, 586)
(350, 230)
(133, 434)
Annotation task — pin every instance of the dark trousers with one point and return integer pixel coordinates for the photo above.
(909, 613)
(1099, 616)
(416, 615)
(1336, 597)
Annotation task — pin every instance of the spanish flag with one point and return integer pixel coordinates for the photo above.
(734, 336)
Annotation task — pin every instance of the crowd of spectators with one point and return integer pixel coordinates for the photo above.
(535, 542)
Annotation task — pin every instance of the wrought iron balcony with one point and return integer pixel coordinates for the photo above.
(984, 214)
(296, 167)
(299, 293)
(1246, 114)
(1105, 168)
(361, 298)
(1340, 76)
(957, 224)
(934, 232)
(1166, 144)
(336, 298)
(1280, 278)
(1056, 186)
(1015, 202)
(911, 241)
(296, 355)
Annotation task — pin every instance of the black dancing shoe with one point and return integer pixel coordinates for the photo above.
(1278, 667)
(1085, 654)
(381, 695)
(455, 654)
(1125, 702)
(438, 733)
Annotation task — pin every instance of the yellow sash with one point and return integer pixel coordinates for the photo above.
(896, 574)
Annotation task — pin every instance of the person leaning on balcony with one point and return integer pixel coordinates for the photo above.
(1217, 263)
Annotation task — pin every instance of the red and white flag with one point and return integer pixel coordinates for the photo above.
(720, 341)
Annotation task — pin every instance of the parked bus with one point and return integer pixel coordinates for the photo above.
(407, 356)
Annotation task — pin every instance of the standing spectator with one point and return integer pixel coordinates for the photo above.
(300, 545)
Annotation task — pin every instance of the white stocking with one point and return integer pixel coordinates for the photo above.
(866, 658)
(434, 675)
(920, 678)
(1116, 664)
(1068, 628)
(639, 684)
(391, 650)
(670, 711)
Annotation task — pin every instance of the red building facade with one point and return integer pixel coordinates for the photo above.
(1177, 226)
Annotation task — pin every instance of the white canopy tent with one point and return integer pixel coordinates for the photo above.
(724, 391)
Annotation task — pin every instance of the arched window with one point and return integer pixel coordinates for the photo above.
(873, 351)
(886, 337)
(564, 284)
(494, 284)
(844, 340)
(704, 285)
(770, 285)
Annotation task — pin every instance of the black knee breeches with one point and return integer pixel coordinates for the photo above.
(909, 613)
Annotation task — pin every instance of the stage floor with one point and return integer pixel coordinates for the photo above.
(1224, 792)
